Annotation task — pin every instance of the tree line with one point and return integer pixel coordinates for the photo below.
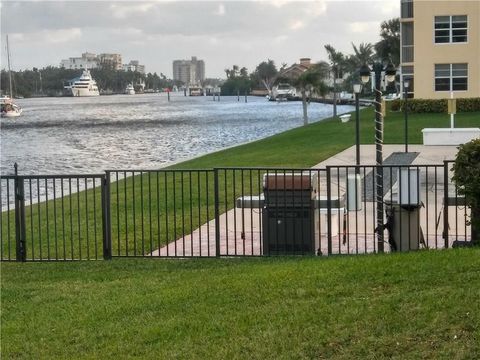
(50, 80)
(266, 74)
(312, 82)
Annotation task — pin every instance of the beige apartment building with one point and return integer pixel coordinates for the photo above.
(440, 48)
(113, 61)
(189, 72)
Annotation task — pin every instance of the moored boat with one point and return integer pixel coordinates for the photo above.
(283, 92)
(85, 85)
(195, 91)
(129, 90)
(9, 109)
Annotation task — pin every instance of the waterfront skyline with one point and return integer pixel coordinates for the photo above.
(156, 33)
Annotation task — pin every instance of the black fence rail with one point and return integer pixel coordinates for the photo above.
(52, 217)
(262, 211)
(161, 213)
(421, 208)
(231, 212)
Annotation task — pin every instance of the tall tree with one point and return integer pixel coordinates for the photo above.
(389, 46)
(243, 72)
(233, 72)
(238, 81)
(337, 65)
(266, 73)
(310, 82)
(363, 54)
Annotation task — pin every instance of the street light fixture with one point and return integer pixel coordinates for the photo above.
(390, 73)
(357, 88)
(406, 85)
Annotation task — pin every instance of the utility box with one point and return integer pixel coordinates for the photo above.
(288, 217)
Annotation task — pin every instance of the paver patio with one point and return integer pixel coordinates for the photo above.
(241, 229)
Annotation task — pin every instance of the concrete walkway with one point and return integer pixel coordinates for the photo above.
(240, 229)
(427, 155)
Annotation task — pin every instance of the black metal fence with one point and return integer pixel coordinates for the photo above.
(161, 213)
(52, 217)
(230, 212)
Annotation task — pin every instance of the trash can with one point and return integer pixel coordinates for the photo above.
(288, 214)
(405, 229)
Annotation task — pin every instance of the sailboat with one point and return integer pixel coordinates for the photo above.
(8, 108)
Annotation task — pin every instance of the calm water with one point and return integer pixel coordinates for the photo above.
(85, 135)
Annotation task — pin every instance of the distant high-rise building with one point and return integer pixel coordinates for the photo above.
(87, 61)
(190, 72)
(106, 61)
(134, 65)
(113, 61)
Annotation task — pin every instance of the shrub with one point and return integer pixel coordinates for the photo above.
(466, 176)
(436, 105)
(467, 105)
(396, 105)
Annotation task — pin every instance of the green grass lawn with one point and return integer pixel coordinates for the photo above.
(422, 305)
(308, 145)
(403, 306)
(154, 216)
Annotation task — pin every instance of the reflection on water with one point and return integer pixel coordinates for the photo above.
(89, 135)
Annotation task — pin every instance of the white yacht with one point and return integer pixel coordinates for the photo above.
(283, 92)
(129, 90)
(195, 90)
(85, 85)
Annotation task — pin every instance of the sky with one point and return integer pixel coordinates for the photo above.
(222, 33)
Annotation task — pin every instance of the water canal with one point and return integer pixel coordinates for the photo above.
(85, 135)
(89, 135)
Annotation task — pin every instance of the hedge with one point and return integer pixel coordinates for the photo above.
(436, 105)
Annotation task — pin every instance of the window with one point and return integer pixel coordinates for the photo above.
(451, 77)
(406, 10)
(451, 29)
(407, 41)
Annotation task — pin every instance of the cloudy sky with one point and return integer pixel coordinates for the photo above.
(222, 33)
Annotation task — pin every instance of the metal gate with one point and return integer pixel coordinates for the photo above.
(53, 217)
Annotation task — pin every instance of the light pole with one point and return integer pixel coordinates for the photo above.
(357, 88)
(406, 84)
(390, 72)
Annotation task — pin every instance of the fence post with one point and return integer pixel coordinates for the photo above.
(329, 212)
(217, 213)
(445, 203)
(107, 230)
(20, 243)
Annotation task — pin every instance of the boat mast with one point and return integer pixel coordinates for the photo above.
(9, 70)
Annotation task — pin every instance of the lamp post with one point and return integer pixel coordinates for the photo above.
(357, 88)
(406, 85)
(390, 72)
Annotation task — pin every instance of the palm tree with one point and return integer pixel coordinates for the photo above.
(363, 54)
(388, 48)
(337, 66)
(311, 81)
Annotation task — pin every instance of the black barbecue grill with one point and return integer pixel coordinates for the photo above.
(288, 214)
